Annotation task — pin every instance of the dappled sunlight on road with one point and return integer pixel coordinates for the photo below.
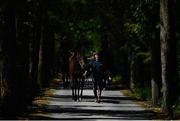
(114, 106)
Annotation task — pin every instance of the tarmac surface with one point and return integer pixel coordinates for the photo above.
(114, 106)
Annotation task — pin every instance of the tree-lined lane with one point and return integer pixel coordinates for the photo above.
(114, 106)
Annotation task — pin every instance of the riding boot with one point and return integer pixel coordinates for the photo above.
(95, 94)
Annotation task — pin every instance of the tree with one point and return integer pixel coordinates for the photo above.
(27, 49)
(168, 54)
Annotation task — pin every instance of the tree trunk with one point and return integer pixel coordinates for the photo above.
(156, 72)
(37, 45)
(46, 48)
(168, 54)
(132, 76)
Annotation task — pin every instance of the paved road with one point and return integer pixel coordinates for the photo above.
(114, 106)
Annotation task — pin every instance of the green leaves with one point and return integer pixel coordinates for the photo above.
(145, 55)
(85, 32)
(133, 28)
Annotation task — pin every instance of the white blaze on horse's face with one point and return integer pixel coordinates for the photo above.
(81, 61)
(96, 56)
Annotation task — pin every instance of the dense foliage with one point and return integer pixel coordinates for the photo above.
(37, 35)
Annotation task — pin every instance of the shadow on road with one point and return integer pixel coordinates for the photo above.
(114, 106)
(62, 107)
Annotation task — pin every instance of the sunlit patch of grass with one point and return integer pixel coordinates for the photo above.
(43, 100)
(146, 104)
(49, 92)
(142, 93)
(126, 92)
(40, 102)
(39, 114)
(117, 79)
(139, 94)
(177, 111)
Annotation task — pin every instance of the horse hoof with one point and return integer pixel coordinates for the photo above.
(99, 100)
(74, 99)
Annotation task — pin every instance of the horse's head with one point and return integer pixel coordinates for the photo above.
(81, 61)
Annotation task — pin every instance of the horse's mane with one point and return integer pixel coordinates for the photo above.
(81, 61)
(78, 58)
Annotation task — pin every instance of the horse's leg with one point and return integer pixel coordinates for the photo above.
(72, 87)
(68, 81)
(82, 86)
(78, 88)
(104, 83)
(63, 79)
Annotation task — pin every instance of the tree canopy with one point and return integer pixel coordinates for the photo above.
(36, 35)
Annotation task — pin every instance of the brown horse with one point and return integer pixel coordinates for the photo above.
(76, 70)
